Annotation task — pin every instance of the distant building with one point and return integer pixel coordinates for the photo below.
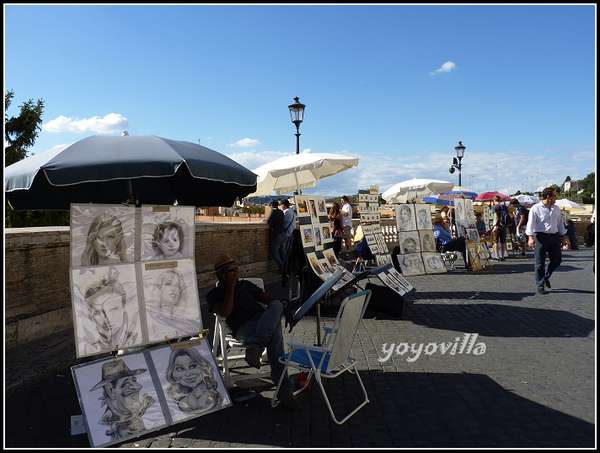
(571, 186)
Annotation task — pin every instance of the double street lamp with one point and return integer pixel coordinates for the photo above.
(456, 161)
(297, 114)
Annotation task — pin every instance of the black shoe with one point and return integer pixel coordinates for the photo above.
(289, 401)
(547, 282)
(253, 357)
(542, 290)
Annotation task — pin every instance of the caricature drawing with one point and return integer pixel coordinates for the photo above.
(121, 396)
(193, 384)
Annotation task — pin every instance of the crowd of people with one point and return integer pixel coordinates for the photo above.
(540, 228)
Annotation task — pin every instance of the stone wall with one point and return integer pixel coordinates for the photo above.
(36, 281)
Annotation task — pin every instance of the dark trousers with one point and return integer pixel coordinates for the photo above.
(546, 244)
(457, 245)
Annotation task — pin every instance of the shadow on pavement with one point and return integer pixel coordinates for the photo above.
(495, 320)
(405, 410)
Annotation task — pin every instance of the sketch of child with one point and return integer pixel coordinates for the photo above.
(168, 241)
(193, 384)
(105, 242)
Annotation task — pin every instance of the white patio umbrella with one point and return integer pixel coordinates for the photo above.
(568, 204)
(415, 188)
(299, 171)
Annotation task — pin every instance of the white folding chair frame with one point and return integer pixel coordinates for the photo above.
(318, 358)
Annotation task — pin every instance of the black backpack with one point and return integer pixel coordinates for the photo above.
(588, 237)
(505, 220)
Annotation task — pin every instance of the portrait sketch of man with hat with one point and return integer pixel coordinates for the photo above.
(121, 396)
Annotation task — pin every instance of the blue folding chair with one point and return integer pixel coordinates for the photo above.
(333, 358)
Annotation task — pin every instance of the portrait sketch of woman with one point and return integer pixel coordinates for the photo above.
(190, 380)
(405, 217)
(167, 232)
(171, 298)
(102, 234)
(105, 308)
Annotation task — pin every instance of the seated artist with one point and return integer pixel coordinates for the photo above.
(480, 224)
(449, 244)
(256, 327)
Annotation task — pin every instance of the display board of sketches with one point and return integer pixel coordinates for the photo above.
(317, 240)
(465, 219)
(130, 395)
(418, 252)
(370, 219)
(132, 276)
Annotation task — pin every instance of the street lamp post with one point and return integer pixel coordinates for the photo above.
(297, 114)
(456, 161)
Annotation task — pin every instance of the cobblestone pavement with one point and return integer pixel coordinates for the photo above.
(532, 386)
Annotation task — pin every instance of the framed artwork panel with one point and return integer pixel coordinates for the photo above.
(423, 216)
(405, 217)
(130, 395)
(433, 263)
(118, 399)
(411, 264)
(167, 232)
(102, 234)
(171, 299)
(427, 240)
(409, 242)
(106, 309)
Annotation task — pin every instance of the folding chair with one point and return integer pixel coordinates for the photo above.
(333, 358)
(447, 257)
(224, 339)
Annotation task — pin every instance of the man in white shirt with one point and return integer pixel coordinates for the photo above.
(547, 234)
(346, 212)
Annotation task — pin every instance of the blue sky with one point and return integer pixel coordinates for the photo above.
(395, 85)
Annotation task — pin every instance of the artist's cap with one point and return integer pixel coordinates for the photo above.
(114, 370)
(223, 261)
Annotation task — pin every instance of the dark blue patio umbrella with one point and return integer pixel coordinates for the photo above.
(115, 169)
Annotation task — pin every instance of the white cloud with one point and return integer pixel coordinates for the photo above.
(113, 122)
(446, 67)
(246, 143)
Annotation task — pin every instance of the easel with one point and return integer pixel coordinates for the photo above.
(473, 255)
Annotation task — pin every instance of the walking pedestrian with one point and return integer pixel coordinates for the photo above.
(346, 212)
(547, 234)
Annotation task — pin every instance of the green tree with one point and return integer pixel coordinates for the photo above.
(21, 131)
(588, 185)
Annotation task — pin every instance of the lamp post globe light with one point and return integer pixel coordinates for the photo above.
(297, 114)
(456, 161)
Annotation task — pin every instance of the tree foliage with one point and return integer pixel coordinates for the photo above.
(21, 131)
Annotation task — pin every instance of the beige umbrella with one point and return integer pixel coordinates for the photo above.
(569, 205)
(299, 171)
(414, 189)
